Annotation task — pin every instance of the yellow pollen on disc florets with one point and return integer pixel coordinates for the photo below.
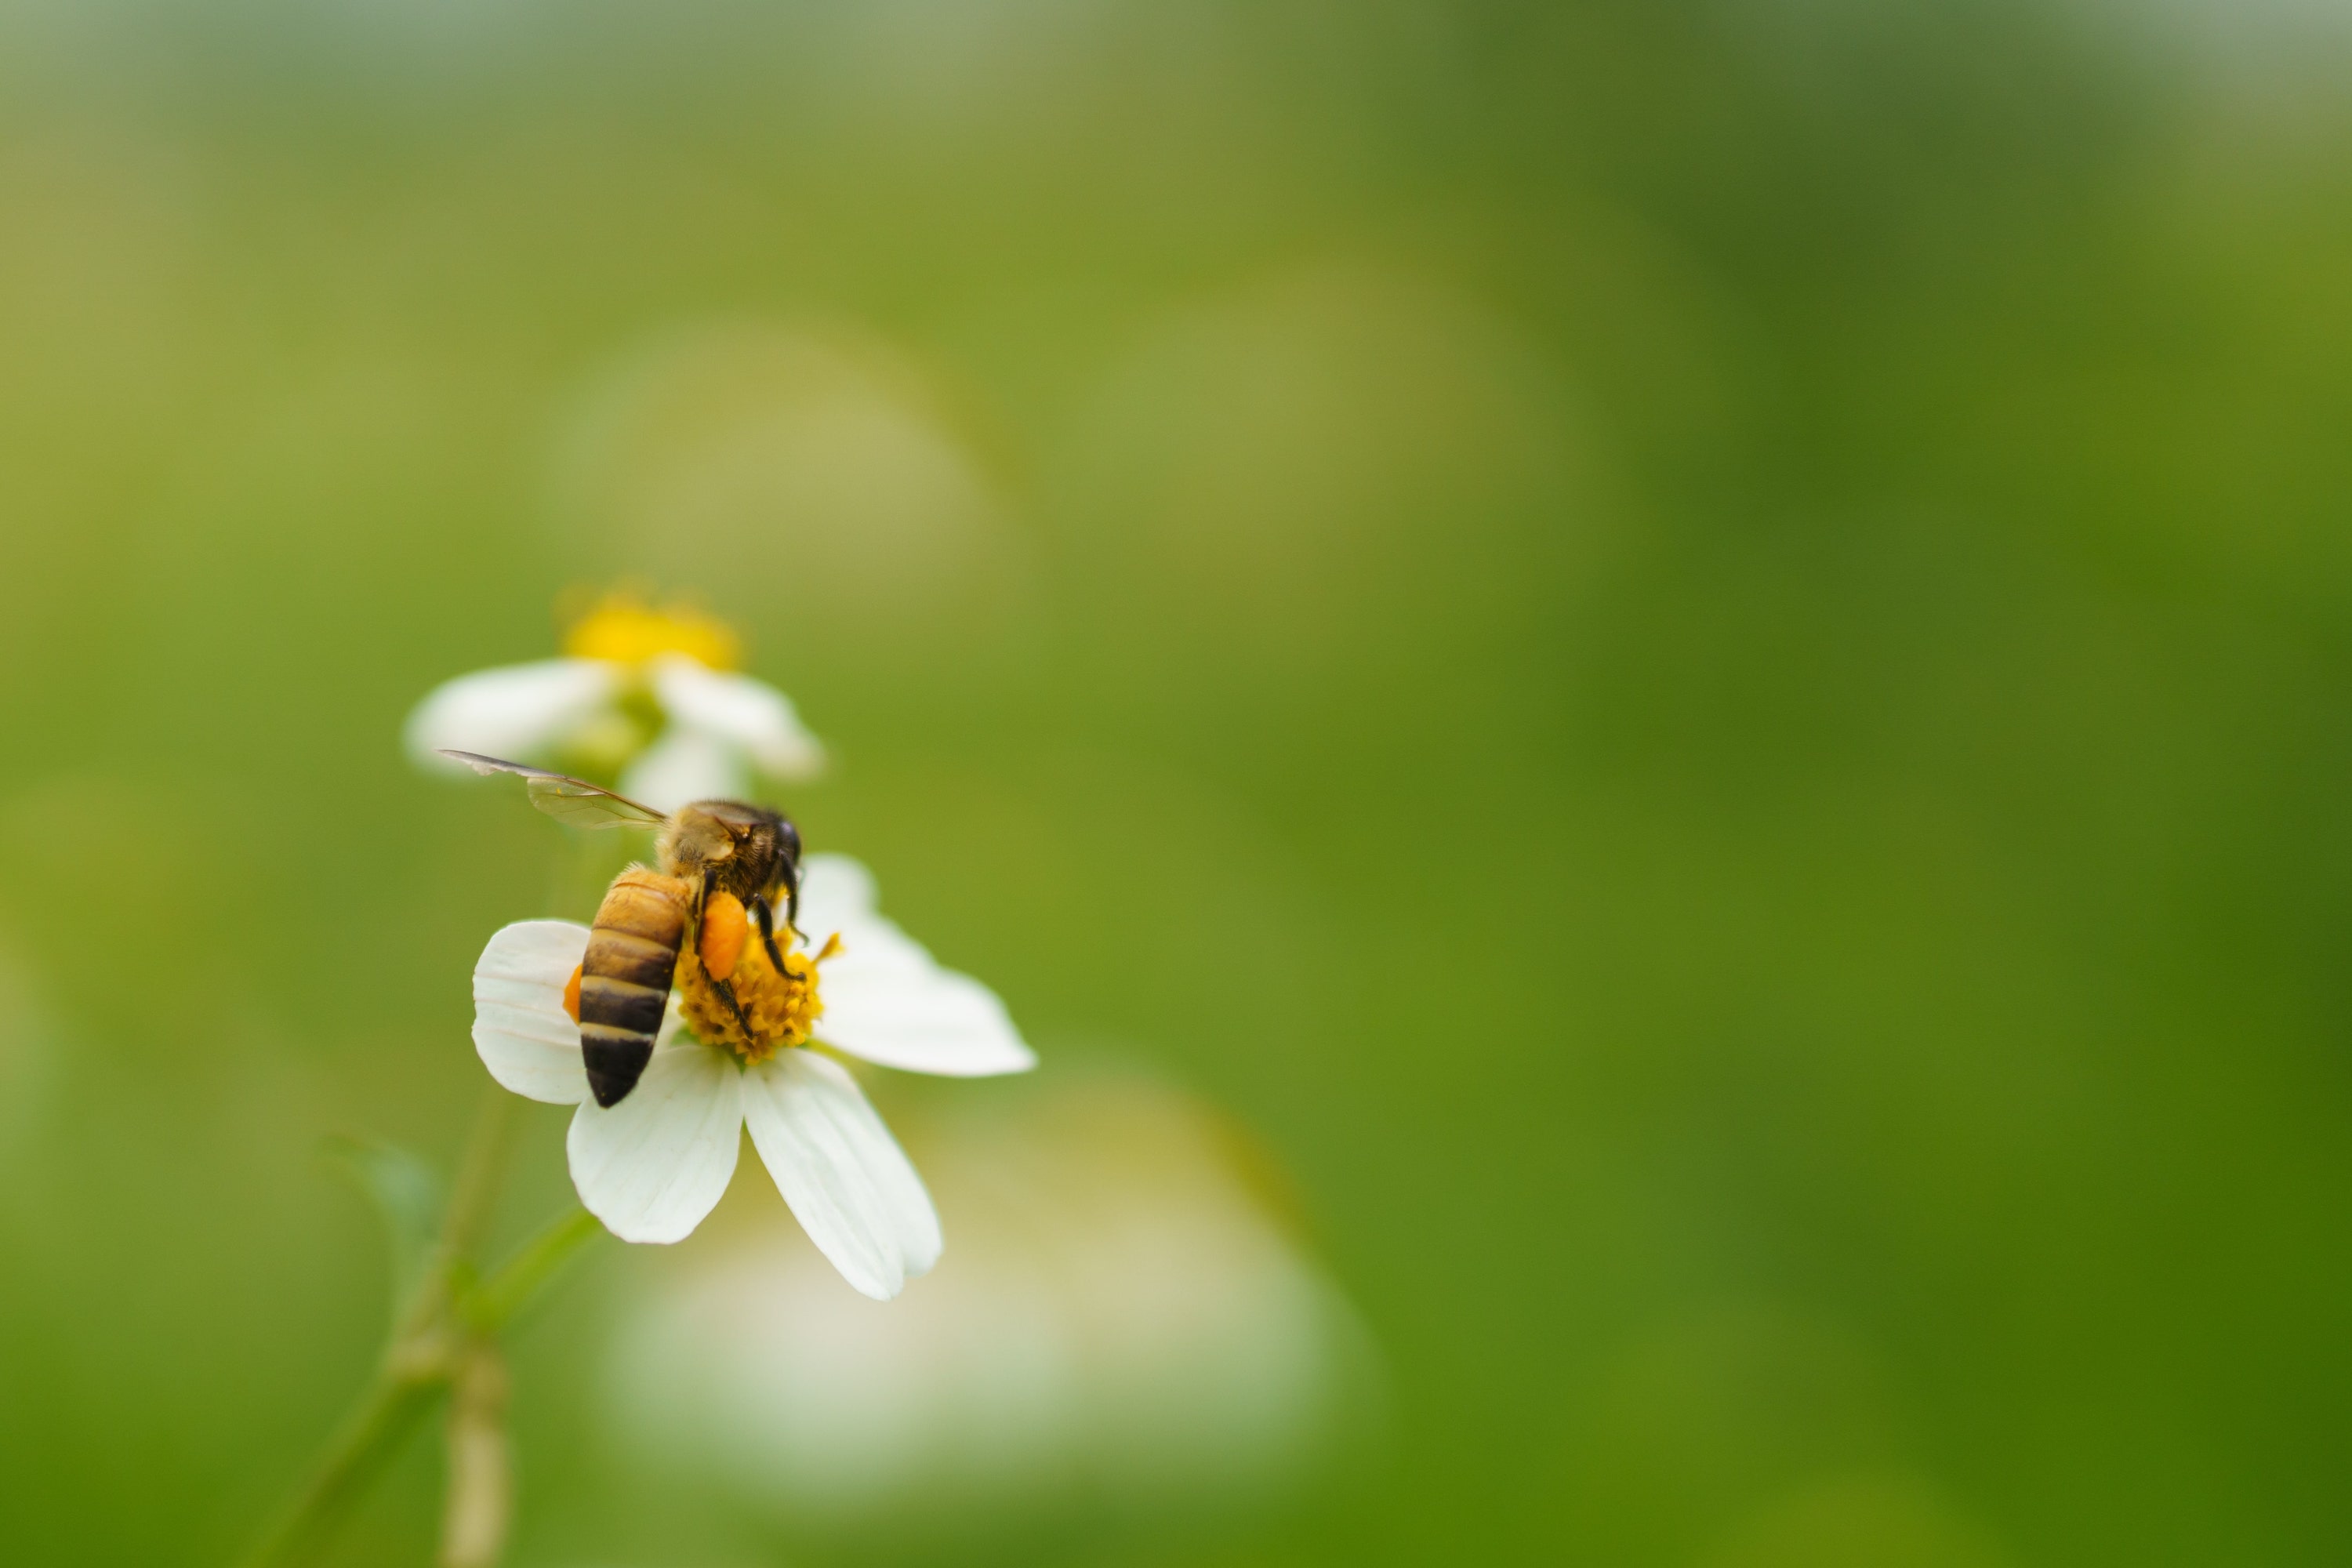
(624, 629)
(776, 1011)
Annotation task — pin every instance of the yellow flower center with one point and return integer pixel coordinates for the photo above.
(770, 1013)
(624, 629)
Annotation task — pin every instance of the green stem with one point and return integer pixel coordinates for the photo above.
(496, 1303)
(354, 1457)
(442, 1334)
(478, 1503)
(418, 1362)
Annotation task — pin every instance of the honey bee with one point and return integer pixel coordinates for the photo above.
(721, 866)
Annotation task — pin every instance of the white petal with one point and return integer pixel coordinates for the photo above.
(841, 1172)
(686, 764)
(835, 892)
(887, 999)
(653, 1165)
(750, 714)
(524, 1036)
(518, 711)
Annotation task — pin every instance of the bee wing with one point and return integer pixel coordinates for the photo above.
(575, 803)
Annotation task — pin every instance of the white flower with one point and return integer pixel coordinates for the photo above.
(652, 1166)
(633, 675)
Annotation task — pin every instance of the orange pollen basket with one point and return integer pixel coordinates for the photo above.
(771, 1010)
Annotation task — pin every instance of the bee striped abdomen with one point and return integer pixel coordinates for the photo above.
(625, 979)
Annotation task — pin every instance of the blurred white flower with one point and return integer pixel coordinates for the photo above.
(646, 694)
(1126, 1315)
(652, 1166)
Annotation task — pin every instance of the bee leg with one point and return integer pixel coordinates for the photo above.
(789, 879)
(767, 919)
(727, 994)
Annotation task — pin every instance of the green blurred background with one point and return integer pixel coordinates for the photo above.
(1691, 656)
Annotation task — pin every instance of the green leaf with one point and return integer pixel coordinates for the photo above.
(408, 1195)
